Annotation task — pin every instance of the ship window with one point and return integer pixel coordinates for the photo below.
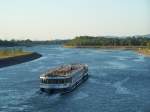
(63, 81)
(56, 81)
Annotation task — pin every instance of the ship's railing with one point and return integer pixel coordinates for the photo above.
(42, 85)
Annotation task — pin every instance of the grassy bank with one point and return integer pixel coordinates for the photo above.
(6, 53)
(9, 57)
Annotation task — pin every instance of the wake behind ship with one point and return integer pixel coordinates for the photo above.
(64, 78)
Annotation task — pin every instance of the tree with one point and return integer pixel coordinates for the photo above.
(148, 44)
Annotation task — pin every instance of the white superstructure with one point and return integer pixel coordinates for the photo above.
(63, 78)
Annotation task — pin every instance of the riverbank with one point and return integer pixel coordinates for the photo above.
(140, 49)
(144, 51)
(108, 47)
(4, 54)
(17, 59)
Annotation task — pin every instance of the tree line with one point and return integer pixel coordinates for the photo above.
(109, 41)
(28, 42)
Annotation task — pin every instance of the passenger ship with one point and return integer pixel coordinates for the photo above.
(64, 78)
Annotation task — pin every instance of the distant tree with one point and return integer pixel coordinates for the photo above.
(105, 41)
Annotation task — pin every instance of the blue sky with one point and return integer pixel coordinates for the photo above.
(61, 19)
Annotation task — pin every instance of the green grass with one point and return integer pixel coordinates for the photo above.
(6, 53)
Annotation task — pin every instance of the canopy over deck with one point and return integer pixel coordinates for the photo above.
(64, 70)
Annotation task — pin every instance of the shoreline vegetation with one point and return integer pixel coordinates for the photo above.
(29, 43)
(108, 47)
(140, 44)
(13, 56)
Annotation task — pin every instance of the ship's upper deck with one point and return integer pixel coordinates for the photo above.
(64, 70)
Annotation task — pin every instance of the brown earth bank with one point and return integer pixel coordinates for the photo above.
(4, 62)
(144, 51)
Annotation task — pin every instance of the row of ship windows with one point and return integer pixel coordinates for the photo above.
(55, 81)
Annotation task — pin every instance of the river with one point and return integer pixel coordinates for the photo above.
(119, 82)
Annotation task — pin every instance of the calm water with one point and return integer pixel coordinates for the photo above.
(119, 82)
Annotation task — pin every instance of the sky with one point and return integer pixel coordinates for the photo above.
(63, 19)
